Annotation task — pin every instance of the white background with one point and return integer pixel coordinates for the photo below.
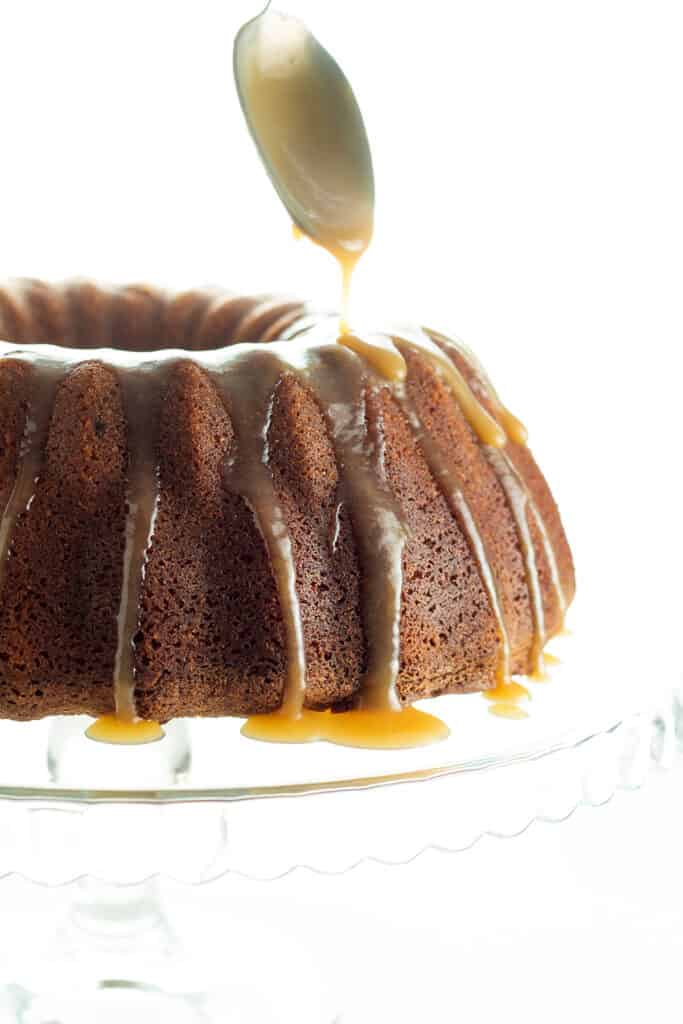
(529, 168)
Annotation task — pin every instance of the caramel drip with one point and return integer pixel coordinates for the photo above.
(339, 381)
(377, 730)
(45, 381)
(504, 709)
(551, 558)
(493, 438)
(141, 414)
(347, 261)
(452, 487)
(336, 526)
(347, 264)
(248, 391)
(515, 430)
(123, 732)
(379, 353)
(485, 426)
(505, 700)
(518, 500)
(518, 434)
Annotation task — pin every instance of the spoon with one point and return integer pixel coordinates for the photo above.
(309, 132)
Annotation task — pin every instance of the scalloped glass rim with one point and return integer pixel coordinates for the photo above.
(54, 843)
(188, 794)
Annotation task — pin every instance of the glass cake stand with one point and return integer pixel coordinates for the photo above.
(205, 801)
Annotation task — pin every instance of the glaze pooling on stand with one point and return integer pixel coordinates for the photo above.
(124, 732)
(362, 727)
(505, 700)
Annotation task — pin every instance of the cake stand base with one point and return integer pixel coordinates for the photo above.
(115, 957)
(110, 1003)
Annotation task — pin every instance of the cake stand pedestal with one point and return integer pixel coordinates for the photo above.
(204, 802)
(115, 957)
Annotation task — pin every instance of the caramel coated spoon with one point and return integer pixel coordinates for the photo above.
(309, 132)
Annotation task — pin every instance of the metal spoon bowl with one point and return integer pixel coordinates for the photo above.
(308, 130)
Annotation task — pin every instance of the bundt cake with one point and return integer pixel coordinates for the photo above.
(256, 517)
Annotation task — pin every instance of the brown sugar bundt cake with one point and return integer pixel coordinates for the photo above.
(252, 516)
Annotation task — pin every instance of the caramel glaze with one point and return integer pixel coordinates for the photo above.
(342, 378)
(248, 391)
(505, 699)
(340, 383)
(524, 508)
(452, 487)
(46, 377)
(142, 415)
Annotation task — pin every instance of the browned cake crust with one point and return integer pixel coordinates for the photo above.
(210, 637)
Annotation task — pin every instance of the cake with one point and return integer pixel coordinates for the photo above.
(251, 517)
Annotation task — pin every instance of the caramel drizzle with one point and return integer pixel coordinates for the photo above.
(518, 495)
(248, 391)
(514, 429)
(451, 485)
(518, 435)
(45, 382)
(142, 502)
(486, 427)
(340, 382)
(550, 556)
(518, 501)
(493, 436)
